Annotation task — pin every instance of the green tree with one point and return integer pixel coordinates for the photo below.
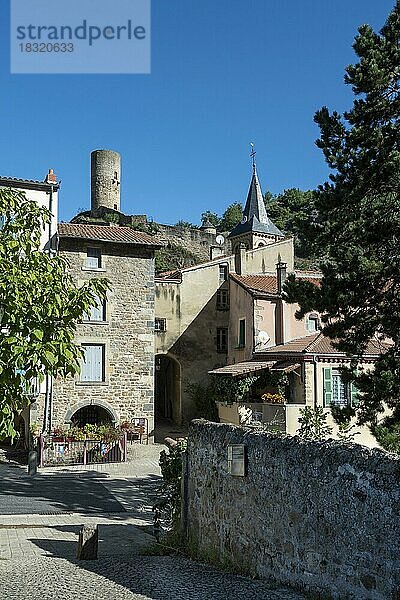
(358, 228)
(207, 215)
(293, 211)
(39, 307)
(231, 217)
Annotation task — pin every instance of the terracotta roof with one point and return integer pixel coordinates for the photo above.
(267, 284)
(104, 233)
(317, 343)
(243, 367)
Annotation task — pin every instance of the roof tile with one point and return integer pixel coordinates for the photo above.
(104, 233)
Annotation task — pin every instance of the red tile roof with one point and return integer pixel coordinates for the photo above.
(317, 343)
(268, 284)
(104, 233)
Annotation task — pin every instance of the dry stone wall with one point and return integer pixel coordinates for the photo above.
(320, 516)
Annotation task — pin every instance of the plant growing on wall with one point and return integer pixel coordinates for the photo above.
(40, 306)
(313, 425)
(171, 470)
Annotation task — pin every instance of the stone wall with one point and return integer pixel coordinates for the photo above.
(320, 516)
(127, 333)
(194, 240)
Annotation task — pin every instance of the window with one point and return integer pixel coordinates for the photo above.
(336, 392)
(222, 299)
(222, 339)
(160, 324)
(313, 323)
(97, 313)
(92, 366)
(93, 258)
(223, 273)
(242, 333)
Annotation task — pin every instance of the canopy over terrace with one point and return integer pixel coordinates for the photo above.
(244, 368)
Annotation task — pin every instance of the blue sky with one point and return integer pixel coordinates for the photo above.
(223, 74)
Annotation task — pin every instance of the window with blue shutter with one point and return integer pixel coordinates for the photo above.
(93, 258)
(92, 366)
(97, 312)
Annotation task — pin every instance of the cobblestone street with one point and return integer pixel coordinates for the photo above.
(38, 551)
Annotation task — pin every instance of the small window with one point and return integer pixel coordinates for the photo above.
(222, 299)
(222, 339)
(223, 273)
(92, 365)
(97, 313)
(242, 333)
(93, 258)
(160, 324)
(313, 323)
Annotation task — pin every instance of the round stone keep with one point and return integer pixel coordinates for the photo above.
(105, 179)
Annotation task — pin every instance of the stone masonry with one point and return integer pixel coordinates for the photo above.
(321, 516)
(127, 334)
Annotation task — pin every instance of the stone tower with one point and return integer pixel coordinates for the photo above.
(105, 179)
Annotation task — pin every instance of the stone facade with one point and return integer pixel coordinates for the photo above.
(319, 516)
(127, 334)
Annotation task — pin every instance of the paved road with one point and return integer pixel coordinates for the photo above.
(37, 551)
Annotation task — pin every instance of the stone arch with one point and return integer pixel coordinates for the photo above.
(167, 388)
(102, 404)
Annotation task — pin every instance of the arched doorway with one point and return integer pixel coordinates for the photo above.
(91, 414)
(167, 389)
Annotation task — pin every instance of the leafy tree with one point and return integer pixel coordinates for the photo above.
(185, 224)
(294, 213)
(39, 307)
(231, 217)
(210, 216)
(358, 229)
(174, 257)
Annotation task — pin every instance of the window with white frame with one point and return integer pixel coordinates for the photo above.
(93, 258)
(160, 324)
(222, 339)
(336, 391)
(313, 323)
(93, 363)
(222, 299)
(97, 312)
(223, 273)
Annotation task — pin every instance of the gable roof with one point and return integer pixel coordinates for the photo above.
(104, 233)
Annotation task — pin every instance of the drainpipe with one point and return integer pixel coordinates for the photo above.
(315, 362)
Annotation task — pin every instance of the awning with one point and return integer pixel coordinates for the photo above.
(285, 366)
(251, 366)
(243, 367)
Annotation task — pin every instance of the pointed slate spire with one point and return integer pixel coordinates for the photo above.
(255, 206)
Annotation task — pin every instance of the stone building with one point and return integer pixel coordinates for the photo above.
(116, 379)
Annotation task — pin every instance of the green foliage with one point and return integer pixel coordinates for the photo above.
(111, 217)
(293, 211)
(204, 401)
(231, 389)
(40, 306)
(185, 224)
(231, 217)
(149, 227)
(171, 471)
(358, 226)
(207, 215)
(388, 436)
(313, 424)
(343, 417)
(174, 257)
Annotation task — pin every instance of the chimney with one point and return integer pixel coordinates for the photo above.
(281, 274)
(240, 259)
(51, 177)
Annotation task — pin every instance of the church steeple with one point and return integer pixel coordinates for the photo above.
(256, 229)
(255, 206)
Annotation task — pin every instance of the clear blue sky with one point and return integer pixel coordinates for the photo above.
(224, 73)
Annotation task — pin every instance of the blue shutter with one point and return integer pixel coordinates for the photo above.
(327, 373)
(92, 367)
